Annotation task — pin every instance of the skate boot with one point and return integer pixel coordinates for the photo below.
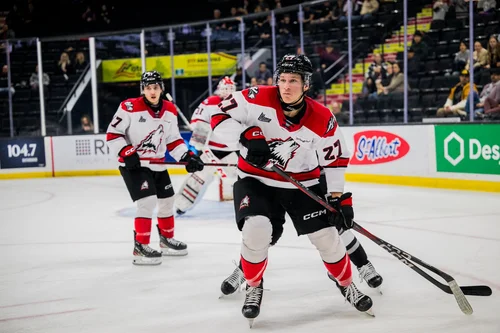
(144, 255)
(233, 282)
(171, 246)
(360, 301)
(253, 299)
(370, 275)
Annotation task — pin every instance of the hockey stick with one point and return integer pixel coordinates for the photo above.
(185, 163)
(403, 256)
(183, 117)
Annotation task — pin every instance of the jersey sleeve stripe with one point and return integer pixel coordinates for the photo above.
(112, 136)
(340, 162)
(197, 120)
(172, 145)
(218, 118)
(246, 167)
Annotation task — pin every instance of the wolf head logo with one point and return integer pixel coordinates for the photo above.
(152, 141)
(282, 151)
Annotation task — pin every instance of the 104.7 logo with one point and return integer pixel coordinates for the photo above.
(22, 153)
(374, 147)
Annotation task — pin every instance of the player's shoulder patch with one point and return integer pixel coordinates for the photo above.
(212, 100)
(133, 104)
(260, 94)
(321, 121)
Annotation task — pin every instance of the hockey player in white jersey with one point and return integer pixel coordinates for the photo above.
(214, 148)
(142, 130)
(298, 135)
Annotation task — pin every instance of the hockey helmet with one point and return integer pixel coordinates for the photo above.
(151, 77)
(225, 87)
(292, 63)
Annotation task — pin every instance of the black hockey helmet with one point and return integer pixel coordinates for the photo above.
(151, 77)
(292, 63)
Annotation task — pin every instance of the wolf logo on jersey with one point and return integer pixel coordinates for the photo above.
(282, 151)
(152, 141)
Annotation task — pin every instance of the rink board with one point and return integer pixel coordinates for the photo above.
(454, 156)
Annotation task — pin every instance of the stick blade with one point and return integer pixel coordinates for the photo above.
(476, 290)
(462, 301)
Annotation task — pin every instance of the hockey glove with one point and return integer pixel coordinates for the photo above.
(130, 157)
(194, 162)
(258, 150)
(343, 205)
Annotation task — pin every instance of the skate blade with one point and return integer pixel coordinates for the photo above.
(370, 312)
(147, 262)
(167, 252)
(250, 322)
(379, 290)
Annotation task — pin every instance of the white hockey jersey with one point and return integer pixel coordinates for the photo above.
(299, 149)
(220, 140)
(151, 134)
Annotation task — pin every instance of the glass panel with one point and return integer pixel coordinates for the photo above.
(119, 71)
(5, 91)
(25, 100)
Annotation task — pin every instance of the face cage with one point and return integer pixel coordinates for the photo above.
(142, 86)
(225, 90)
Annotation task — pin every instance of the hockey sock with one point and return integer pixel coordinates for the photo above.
(166, 226)
(253, 272)
(142, 229)
(358, 256)
(341, 270)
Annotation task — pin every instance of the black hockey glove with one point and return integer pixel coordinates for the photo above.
(343, 205)
(258, 149)
(194, 162)
(130, 157)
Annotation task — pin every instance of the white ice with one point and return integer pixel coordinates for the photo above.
(66, 264)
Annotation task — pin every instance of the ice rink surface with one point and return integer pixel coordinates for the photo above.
(66, 264)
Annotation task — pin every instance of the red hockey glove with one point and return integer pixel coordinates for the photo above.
(258, 149)
(343, 205)
(130, 157)
(194, 162)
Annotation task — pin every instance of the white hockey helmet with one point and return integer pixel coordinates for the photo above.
(225, 87)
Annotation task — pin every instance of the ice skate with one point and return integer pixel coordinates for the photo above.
(144, 255)
(232, 283)
(180, 212)
(253, 299)
(171, 246)
(370, 275)
(360, 301)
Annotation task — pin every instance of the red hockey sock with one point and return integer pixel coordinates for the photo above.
(142, 229)
(166, 225)
(341, 270)
(253, 272)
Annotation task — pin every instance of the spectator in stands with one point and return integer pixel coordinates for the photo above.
(457, 99)
(389, 74)
(487, 7)
(461, 8)
(322, 19)
(439, 10)
(414, 63)
(65, 66)
(419, 46)
(369, 89)
(4, 88)
(329, 56)
(336, 109)
(492, 102)
(369, 8)
(487, 89)
(238, 79)
(287, 29)
(377, 69)
(461, 58)
(493, 52)
(254, 82)
(104, 17)
(86, 125)
(263, 73)
(89, 17)
(481, 57)
(6, 33)
(397, 84)
(34, 83)
(245, 8)
(80, 62)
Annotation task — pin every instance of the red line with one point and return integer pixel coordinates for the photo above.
(52, 155)
(45, 314)
(29, 303)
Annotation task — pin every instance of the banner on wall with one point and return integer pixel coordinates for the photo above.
(185, 65)
(468, 149)
(22, 153)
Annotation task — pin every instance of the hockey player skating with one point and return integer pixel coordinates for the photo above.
(354, 248)
(141, 131)
(215, 148)
(298, 135)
